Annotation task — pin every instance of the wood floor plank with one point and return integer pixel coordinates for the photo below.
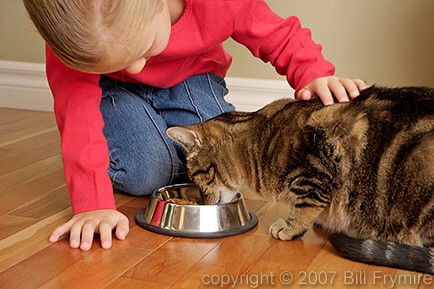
(25, 118)
(269, 214)
(255, 205)
(12, 224)
(88, 273)
(42, 266)
(333, 277)
(30, 173)
(168, 263)
(9, 115)
(233, 256)
(123, 283)
(26, 128)
(104, 267)
(142, 239)
(138, 202)
(29, 241)
(292, 255)
(130, 212)
(45, 205)
(25, 152)
(33, 183)
(59, 258)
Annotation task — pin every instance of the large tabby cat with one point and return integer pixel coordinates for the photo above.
(363, 170)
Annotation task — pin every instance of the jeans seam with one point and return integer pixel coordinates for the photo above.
(165, 142)
(213, 93)
(114, 178)
(191, 101)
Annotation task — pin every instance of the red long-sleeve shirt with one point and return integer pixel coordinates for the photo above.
(195, 47)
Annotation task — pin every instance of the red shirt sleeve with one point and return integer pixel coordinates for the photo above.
(280, 41)
(84, 148)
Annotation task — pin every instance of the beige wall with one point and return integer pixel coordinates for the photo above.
(18, 38)
(388, 42)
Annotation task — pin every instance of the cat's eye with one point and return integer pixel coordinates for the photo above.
(204, 176)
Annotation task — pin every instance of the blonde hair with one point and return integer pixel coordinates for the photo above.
(84, 33)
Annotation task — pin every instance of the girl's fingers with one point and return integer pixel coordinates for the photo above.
(350, 87)
(59, 232)
(87, 233)
(304, 94)
(361, 85)
(122, 228)
(105, 233)
(82, 228)
(339, 90)
(75, 235)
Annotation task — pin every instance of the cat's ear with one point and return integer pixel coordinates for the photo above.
(186, 137)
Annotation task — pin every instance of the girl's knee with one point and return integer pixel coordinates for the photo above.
(142, 179)
(143, 173)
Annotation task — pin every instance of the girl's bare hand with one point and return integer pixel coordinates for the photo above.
(83, 226)
(343, 89)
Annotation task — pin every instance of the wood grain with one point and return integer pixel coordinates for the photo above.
(19, 154)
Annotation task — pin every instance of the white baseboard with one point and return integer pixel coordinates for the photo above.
(24, 86)
(249, 94)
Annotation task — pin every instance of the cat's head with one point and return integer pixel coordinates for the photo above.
(211, 158)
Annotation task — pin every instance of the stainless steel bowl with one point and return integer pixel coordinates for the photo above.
(194, 221)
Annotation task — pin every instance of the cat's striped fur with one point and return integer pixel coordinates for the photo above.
(363, 169)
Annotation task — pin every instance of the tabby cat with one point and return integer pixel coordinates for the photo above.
(362, 170)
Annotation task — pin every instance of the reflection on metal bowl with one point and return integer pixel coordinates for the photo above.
(195, 221)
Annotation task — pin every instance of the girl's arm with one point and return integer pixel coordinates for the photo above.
(291, 50)
(85, 157)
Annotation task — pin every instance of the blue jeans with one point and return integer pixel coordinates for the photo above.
(142, 157)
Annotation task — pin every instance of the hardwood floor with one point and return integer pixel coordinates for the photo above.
(34, 200)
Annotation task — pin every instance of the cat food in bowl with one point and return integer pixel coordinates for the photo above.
(179, 211)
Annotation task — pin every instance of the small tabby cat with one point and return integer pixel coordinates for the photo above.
(362, 170)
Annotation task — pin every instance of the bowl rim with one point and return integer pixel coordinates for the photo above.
(140, 220)
(157, 193)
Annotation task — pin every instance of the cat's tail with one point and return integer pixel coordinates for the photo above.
(389, 254)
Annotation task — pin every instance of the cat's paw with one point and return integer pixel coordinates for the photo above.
(220, 196)
(282, 231)
(211, 199)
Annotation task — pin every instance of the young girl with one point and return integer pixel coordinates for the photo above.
(122, 72)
